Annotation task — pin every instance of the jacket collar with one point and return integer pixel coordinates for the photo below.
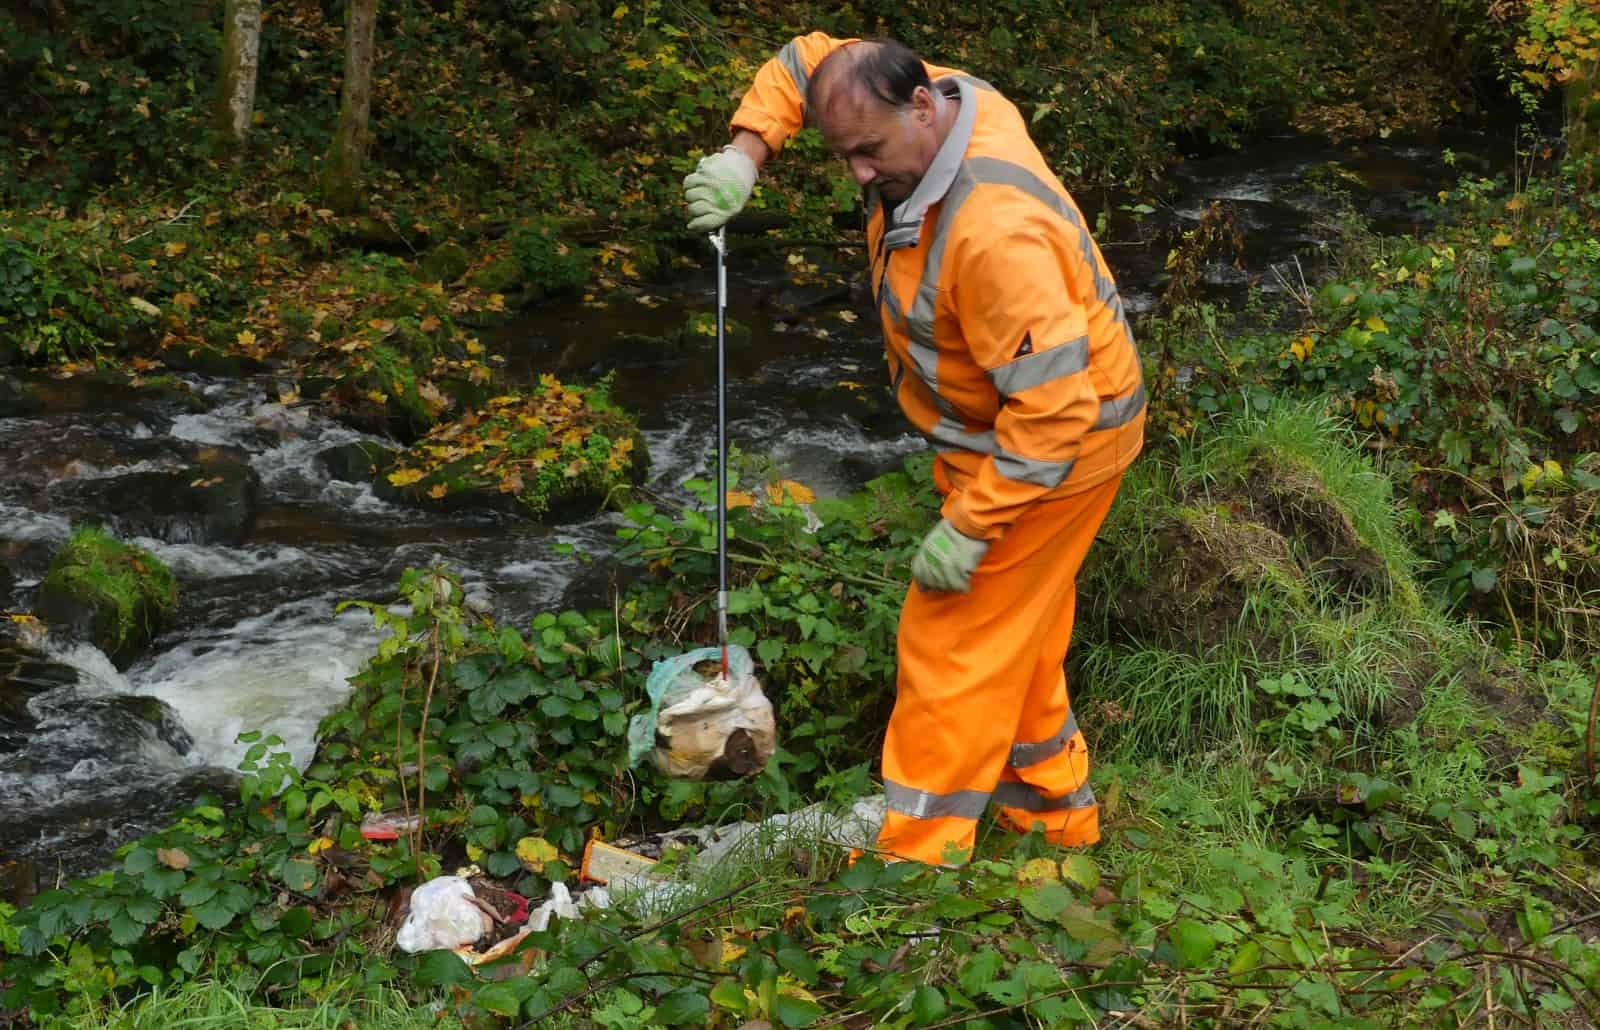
(936, 182)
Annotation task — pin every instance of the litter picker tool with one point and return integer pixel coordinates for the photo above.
(719, 240)
(708, 716)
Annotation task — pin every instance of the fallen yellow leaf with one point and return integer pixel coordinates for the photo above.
(1039, 871)
(405, 477)
(534, 852)
(1502, 239)
(739, 499)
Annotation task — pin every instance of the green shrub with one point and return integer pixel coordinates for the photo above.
(548, 264)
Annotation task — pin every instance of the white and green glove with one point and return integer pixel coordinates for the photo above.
(718, 188)
(947, 559)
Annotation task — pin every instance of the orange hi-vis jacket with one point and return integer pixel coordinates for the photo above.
(1007, 342)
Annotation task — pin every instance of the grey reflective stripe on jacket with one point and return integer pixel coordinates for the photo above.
(1024, 755)
(923, 804)
(1041, 367)
(1029, 799)
(789, 57)
(1119, 411)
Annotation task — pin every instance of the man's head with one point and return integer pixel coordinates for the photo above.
(875, 107)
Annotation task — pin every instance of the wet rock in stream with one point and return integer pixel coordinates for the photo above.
(359, 461)
(83, 769)
(107, 593)
(212, 500)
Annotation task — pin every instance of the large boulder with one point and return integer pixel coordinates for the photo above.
(211, 499)
(108, 593)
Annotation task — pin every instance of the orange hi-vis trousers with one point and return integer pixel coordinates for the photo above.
(981, 710)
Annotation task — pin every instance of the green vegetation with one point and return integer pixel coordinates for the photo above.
(116, 594)
(558, 447)
(1470, 360)
(1336, 649)
(1324, 802)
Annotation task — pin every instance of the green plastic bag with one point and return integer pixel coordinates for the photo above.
(695, 719)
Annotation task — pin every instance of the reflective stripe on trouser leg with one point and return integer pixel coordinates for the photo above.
(968, 665)
(1047, 780)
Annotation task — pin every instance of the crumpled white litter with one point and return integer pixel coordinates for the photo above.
(441, 916)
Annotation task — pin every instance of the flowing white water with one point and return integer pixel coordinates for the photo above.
(279, 672)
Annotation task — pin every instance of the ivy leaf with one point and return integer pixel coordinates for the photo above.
(125, 929)
(1193, 940)
(162, 883)
(793, 1011)
(214, 914)
(198, 893)
(980, 970)
(145, 910)
(927, 1004)
(300, 876)
(438, 968)
(684, 1006)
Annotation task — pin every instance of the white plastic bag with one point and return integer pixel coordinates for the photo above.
(441, 916)
(699, 723)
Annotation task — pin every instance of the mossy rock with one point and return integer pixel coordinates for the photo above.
(359, 461)
(549, 455)
(444, 264)
(700, 330)
(17, 399)
(108, 593)
(502, 275)
(377, 390)
(212, 499)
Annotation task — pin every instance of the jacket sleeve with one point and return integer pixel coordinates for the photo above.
(1025, 324)
(774, 105)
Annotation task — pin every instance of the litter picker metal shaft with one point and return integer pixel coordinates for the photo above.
(719, 240)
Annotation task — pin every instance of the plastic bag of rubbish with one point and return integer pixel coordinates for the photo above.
(701, 724)
(442, 916)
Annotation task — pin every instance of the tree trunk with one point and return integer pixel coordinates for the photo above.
(1583, 112)
(241, 47)
(341, 165)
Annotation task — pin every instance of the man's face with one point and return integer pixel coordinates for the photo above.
(887, 147)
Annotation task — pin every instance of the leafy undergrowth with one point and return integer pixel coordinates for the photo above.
(1363, 821)
(1470, 360)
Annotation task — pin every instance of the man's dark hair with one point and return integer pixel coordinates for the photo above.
(885, 68)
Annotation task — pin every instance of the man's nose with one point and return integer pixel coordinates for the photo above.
(861, 170)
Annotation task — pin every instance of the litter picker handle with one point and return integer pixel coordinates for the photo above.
(719, 240)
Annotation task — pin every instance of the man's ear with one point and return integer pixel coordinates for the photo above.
(922, 104)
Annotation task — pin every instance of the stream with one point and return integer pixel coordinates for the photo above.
(91, 756)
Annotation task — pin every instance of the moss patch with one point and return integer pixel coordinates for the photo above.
(114, 595)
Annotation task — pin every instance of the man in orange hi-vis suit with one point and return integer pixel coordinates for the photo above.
(1009, 348)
